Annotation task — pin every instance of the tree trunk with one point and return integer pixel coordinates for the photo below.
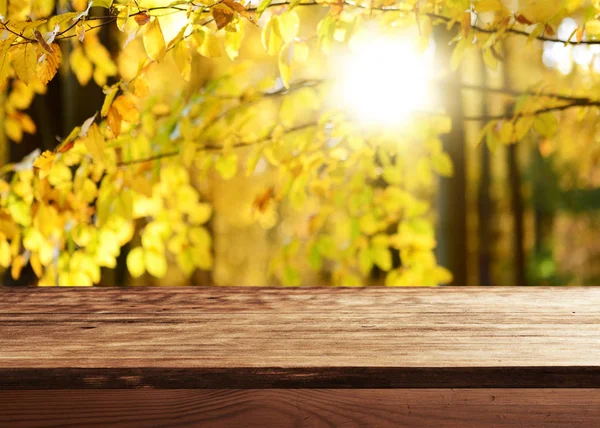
(515, 185)
(484, 202)
(452, 202)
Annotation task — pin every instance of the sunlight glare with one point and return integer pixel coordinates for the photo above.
(384, 80)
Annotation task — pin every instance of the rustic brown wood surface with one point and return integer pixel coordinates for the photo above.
(299, 338)
(302, 408)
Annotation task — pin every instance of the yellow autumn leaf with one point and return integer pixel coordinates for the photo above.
(13, 129)
(102, 3)
(154, 41)
(36, 265)
(536, 10)
(94, 142)
(155, 263)
(111, 93)
(5, 46)
(47, 68)
(185, 261)
(289, 24)
(200, 214)
(382, 258)
(202, 258)
(27, 124)
(365, 261)
(81, 66)
(226, 165)
(140, 88)
(233, 41)
(59, 174)
(127, 109)
(5, 256)
(24, 62)
(135, 262)
(546, 124)
(488, 5)
(368, 224)
(506, 133)
(200, 237)
(122, 18)
(17, 266)
(271, 36)
(442, 163)
(113, 120)
(442, 275)
(286, 55)
(100, 56)
(210, 46)
(592, 27)
(44, 162)
(80, 31)
(183, 59)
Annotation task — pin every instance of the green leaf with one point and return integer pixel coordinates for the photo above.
(291, 277)
(314, 258)
(326, 246)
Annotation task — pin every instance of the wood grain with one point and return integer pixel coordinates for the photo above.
(302, 408)
(300, 338)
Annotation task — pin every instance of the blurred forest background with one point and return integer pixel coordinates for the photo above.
(511, 214)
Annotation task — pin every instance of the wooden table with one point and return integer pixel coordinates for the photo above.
(300, 357)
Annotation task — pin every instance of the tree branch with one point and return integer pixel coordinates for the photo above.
(212, 147)
(532, 93)
(206, 8)
(533, 113)
(517, 32)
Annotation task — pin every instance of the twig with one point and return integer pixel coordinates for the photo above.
(211, 147)
(532, 113)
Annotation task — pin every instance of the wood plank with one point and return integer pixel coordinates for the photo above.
(300, 338)
(302, 408)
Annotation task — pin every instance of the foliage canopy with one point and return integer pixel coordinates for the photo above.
(350, 196)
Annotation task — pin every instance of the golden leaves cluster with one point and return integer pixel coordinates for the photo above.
(126, 171)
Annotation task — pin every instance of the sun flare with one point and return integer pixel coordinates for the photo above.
(384, 80)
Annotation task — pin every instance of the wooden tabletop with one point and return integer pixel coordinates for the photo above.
(514, 337)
